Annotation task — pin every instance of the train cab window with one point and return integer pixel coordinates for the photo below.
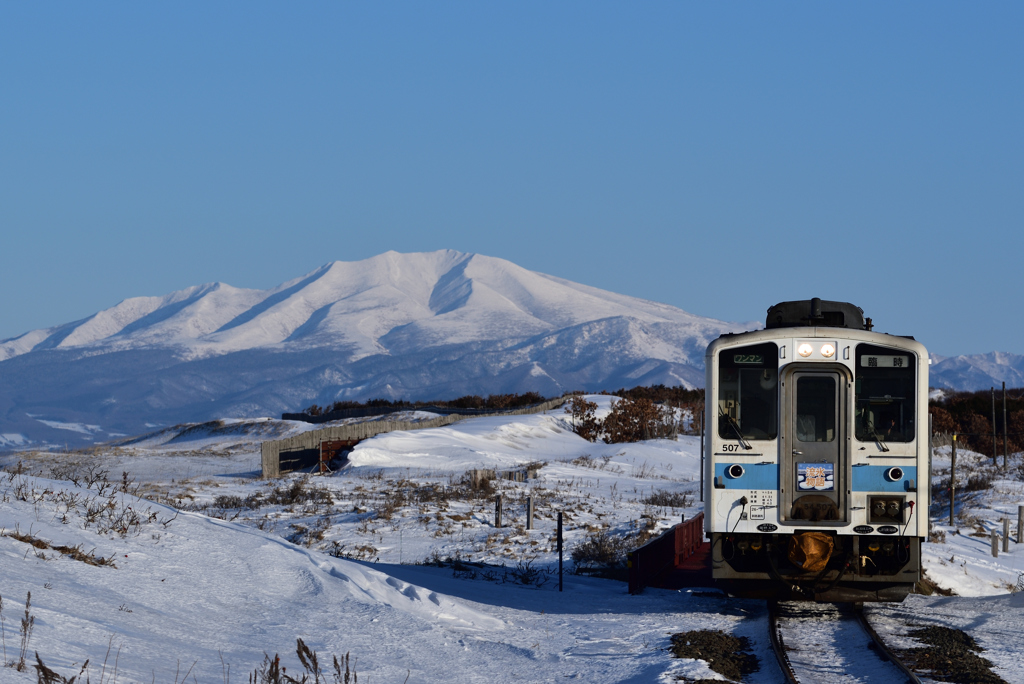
(748, 396)
(816, 409)
(885, 394)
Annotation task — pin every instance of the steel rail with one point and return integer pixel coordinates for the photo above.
(876, 644)
(883, 650)
(778, 647)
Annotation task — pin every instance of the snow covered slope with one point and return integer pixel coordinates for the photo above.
(415, 326)
(248, 565)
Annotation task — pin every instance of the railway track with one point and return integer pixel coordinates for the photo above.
(831, 644)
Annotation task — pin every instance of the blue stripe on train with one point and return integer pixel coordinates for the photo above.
(866, 478)
(755, 476)
(871, 478)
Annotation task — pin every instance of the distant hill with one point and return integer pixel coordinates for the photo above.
(414, 326)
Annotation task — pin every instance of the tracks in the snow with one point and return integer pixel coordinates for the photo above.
(824, 643)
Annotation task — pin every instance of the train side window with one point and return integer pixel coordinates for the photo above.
(748, 396)
(885, 394)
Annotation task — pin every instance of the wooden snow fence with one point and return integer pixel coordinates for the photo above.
(306, 451)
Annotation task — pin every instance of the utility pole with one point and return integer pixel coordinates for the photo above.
(1004, 426)
(995, 456)
(952, 481)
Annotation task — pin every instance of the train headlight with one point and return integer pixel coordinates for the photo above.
(828, 350)
(805, 350)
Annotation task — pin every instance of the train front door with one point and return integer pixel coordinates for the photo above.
(814, 464)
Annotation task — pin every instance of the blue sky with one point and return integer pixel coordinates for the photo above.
(719, 157)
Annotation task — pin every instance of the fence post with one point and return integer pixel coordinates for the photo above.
(995, 544)
(497, 511)
(559, 550)
(1006, 535)
(1020, 524)
(952, 481)
(529, 512)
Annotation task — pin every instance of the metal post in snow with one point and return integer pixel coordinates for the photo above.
(559, 550)
(952, 480)
(529, 512)
(1006, 535)
(1020, 524)
(702, 454)
(995, 544)
(497, 511)
(931, 450)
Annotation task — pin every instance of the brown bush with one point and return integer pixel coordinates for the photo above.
(978, 432)
(637, 420)
(584, 423)
(942, 421)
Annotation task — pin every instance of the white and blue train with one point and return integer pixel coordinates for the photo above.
(817, 457)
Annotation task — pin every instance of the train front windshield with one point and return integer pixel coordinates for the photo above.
(748, 399)
(885, 383)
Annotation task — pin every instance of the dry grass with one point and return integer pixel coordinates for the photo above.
(73, 552)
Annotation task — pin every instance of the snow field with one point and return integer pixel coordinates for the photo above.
(235, 579)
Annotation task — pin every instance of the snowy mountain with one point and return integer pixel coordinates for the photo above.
(978, 371)
(415, 326)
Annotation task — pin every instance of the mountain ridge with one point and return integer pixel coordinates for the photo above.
(417, 326)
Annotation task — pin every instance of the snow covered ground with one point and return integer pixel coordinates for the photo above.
(395, 559)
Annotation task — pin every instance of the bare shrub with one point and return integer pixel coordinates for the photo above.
(525, 573)
(644, 471)
(232, 502)
(307, 536)
(979, 480)
(28, 623)
(45, 675)
(342, 670)
(667, 499)
(599, 550)
(298, 491)
(584, 461)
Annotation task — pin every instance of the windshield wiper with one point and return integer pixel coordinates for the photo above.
(735, 428)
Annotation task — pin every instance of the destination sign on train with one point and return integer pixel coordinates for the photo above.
(884, 361)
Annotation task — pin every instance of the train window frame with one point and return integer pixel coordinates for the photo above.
(898, 374)
(759, 363)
